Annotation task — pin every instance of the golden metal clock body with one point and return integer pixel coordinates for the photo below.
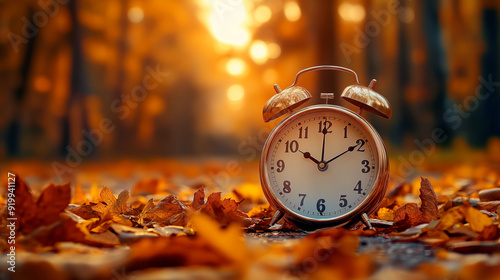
(370, 202)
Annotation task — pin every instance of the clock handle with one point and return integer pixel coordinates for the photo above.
(325, 67)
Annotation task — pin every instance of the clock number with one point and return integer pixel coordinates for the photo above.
(303, 195)
(366, 168)
(306, 132)
(358, 188)
(360, 142)
(343, 200)
(286, 187)
(345, 131)
(281, 165)
(320, 205)
(324, 125)
(292, 146)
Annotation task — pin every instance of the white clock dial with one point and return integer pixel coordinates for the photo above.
(322, 164)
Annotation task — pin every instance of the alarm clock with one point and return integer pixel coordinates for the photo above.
(324, 165)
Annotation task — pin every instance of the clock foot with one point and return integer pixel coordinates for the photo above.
(276, 217)
(366, 221)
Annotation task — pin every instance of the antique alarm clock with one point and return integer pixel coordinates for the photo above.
(324, 165)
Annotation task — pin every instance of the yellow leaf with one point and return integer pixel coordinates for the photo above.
(475, 218)
(450, 218)
(385, 214)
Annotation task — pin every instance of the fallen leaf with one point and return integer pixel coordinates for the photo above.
(385, 214)
(198, 199)
(475, 218)
(224, 211)
(407, 216)
(410, 214)
(429, 207)
(115, 206)
(52, 202)
(146, 212)
(450, 218)
(170, 211)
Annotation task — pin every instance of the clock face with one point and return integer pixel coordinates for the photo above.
(322, 164)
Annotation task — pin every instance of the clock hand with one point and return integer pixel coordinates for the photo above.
(350, 149)
(308, 156)
(323, 148)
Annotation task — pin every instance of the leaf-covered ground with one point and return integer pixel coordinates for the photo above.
(172, 220)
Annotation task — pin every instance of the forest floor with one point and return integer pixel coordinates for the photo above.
(208, 219)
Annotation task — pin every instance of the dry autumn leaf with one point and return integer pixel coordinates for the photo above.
(52, 201)
(429, 207)
(410, 214)
(115, 206)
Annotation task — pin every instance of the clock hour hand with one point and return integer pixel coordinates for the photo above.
(350, 149)
(308, 156)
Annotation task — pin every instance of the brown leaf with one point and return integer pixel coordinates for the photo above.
(26, 209)
(429, 200)
(407, 216)
(53, 200)
(224, 211)
(410, 215)
(66, 229)
(169, 211)
(115, 206)
(198, 199)
(86, 211)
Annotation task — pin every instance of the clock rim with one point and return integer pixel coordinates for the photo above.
(368, 205)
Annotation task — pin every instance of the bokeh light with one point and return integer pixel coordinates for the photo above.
(235, 92)
(274, 50)
(351, 12)
(135, 14)
(262, 14)
(259, 52)
(292, 11)
(235, 66)
(228, 24)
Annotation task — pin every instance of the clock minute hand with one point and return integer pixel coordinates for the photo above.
(308, 156)
(350, 149)
(324, 131)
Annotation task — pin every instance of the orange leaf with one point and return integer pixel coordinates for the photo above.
(475, 218)
(450, 218)
(115, 206)
(78, 196)
(385, 214)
